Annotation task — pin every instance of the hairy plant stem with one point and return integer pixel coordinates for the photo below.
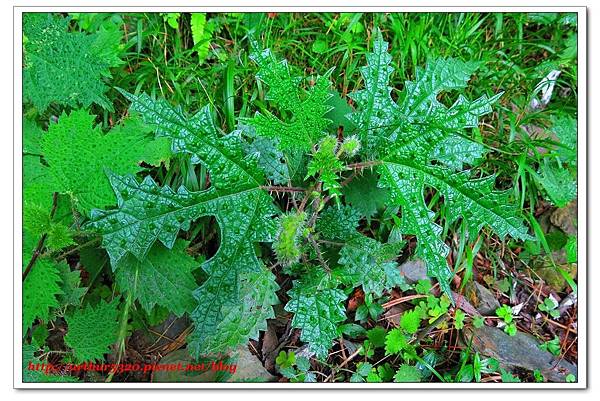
(282, 189)
(363, 165)
(317, 249)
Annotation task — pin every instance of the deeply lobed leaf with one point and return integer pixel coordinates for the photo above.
(307, 107)
(147, 213)
(418, 130)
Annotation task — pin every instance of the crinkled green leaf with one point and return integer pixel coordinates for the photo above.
(307, 107)
(409, 136)
(456, 151)
(377, 112)
(338, 222)
(146, 213)
(66, 67)
(164, 277)
(369, 263)
(92, 330)
(232, 308)
(80, 155)
(270, 159)
(318, 307)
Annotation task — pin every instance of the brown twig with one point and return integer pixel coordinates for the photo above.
(40, 244)
(402, 300)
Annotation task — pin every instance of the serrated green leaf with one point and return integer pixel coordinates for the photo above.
(308, 107)
(91, 331)
(407, 374)
(41, 289)
(395, 342)
(67, 67)
(80, 155)
(227, 316)
(71, 290)
(201, 34)
(377, 112)
(410, 321)
(558, 183)
(164, 277)
(318, 308)
(367, 263)
(270, 159)
(355, 192)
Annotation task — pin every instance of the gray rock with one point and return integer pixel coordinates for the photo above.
(521, 350)
(486, 301)
(249, 368)
(240, 366)
(413, 271)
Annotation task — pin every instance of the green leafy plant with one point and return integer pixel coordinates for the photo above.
(140, 205)
(550, 306)
(296, 369)
(553, 346)
(505, 313)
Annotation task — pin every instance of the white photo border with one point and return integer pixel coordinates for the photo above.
(582, 144)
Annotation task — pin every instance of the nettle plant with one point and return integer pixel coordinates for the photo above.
(291, 196)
